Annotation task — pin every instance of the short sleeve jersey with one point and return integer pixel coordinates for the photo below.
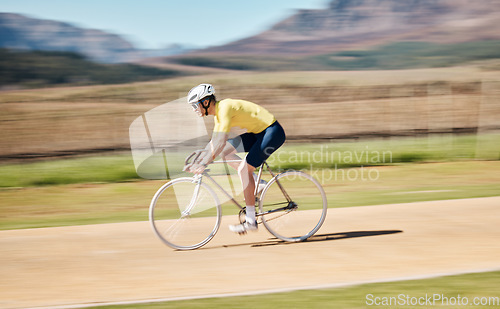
(231, 113)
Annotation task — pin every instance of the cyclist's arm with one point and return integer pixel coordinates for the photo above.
(215, 147)
(219, 137)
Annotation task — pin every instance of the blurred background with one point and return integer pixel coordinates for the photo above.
(419, 79)
(425, 73)
(350, 69)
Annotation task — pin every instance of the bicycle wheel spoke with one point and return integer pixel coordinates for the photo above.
(172, 230)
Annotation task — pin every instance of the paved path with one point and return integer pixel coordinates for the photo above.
(125, 262)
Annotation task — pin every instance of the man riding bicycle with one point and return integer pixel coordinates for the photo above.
(264, 135)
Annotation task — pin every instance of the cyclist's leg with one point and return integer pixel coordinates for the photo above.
(244, 143)
(267, 142)
(245, 171)
(241, 143)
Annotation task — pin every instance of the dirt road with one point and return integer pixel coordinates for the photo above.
(125, 262)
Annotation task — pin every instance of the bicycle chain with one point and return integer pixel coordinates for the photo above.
(286, 213)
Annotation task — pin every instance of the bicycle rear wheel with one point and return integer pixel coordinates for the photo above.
(185, 214)
(293, 205)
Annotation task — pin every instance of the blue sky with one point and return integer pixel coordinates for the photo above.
(156, 23)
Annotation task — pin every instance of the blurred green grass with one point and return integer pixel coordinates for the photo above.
(76, 204)
(97, 169)
(120, 167)
(394, 150)
(467, 286)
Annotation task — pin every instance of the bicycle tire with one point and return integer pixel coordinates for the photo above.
(197, 225)
(301, 221)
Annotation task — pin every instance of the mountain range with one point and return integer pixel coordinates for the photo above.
(343, 25)
(354, 24)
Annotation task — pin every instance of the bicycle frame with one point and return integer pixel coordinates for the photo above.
(232, 199)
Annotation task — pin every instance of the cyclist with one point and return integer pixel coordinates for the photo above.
(263, 136)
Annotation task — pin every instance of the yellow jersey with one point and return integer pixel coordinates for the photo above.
(231, 113)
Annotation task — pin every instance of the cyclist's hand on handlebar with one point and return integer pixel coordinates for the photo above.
(194, 157)
(193, 162)
(187, 168)
(197, 168)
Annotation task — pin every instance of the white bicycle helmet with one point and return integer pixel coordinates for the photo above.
(198, 93)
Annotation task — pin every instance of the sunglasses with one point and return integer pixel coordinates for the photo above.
(194, 105)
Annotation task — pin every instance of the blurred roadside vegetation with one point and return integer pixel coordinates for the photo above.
(125, 201)
(376, 152)
(392, 56)
(407, 55)
(34, 69)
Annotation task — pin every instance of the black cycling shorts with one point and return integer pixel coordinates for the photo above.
(260, 145)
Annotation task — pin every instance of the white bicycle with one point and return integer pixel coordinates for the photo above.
(185, 213)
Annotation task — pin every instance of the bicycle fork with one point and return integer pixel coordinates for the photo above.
(187, 212)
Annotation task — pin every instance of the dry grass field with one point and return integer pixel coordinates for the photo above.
(61, 121)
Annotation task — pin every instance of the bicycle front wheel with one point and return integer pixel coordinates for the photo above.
(293, 206)
(185, 214)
